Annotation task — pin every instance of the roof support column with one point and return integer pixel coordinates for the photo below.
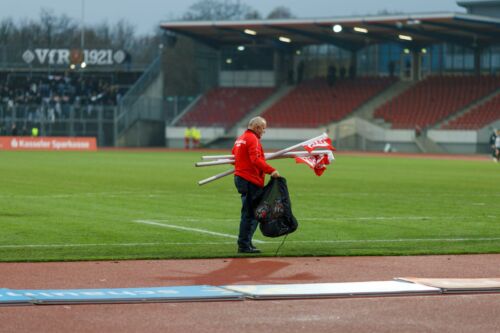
(477, 61)
(416, 58)
(353, 67)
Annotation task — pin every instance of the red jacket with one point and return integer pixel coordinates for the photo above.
(249, 161)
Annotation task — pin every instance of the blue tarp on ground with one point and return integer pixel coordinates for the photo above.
(13, 297)
(118, 295)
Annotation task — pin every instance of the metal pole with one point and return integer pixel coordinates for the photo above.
(82, 28)
(289, 154)
(271, 156)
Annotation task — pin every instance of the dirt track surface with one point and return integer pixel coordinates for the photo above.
(443, 313)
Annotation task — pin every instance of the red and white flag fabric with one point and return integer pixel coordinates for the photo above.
(317, 163)
(322, 143)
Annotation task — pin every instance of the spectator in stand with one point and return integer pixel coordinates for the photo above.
(187, 137)
(493, 137)
(196, 135)
(14, 129)
(497, 146)
(300, 71)
(342, 72)
(332, 75)
(392, 68)
(352, 71)
(418, 131)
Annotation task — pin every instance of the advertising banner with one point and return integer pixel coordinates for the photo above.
(47, 143)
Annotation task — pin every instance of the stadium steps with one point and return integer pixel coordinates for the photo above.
(468, 108)
(225, 106)
(140, 117)
(227, 139)
(232, 132)
(366, 110)
(427, 145)
(186, 110)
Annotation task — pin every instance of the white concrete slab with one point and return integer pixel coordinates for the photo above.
(344, 289)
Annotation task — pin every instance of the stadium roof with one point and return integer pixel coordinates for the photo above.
(412, 30)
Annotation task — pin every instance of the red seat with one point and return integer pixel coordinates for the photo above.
(313, 103)
(434, 99)
(224, 106)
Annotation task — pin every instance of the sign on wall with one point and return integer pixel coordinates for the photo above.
(47, 143)
(96, 57)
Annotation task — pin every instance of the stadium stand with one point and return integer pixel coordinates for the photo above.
(314, 103)
(434, 99)
(224, 106)
(70, 88)
(478, 117)
(44, 96)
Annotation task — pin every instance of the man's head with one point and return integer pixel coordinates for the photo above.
(258, 125)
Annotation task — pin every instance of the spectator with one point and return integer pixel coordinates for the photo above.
(300, 72)
(497, 146)
(332, 75)
(493, 137)
(392, 68)
(187, 137)
(352, 71)
(342, 72)
(418, 131)
(196, 136)
(14, 129)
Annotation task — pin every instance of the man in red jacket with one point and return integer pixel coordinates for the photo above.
(250, 169)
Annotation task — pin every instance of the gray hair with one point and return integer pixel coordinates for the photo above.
(256, 121)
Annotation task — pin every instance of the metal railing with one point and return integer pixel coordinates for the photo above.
(68, 120)
(135, 106)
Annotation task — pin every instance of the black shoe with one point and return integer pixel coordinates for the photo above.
(248, 250)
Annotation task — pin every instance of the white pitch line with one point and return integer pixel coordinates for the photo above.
(108, 244)
(267, 242)
(203, 231)
(399, 240)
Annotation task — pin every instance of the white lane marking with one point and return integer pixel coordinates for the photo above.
(109, 244)
(389, 218)
(398, 240)
(341, 218)
(203, 231)
(267, 242)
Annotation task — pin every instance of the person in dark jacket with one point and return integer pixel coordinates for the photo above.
(250, 170)
(493, 137)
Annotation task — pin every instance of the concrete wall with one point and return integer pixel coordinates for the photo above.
(351, 134)
(247, 79)
(175, 135)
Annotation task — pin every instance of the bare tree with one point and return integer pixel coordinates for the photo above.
(122, 34)
(280, 12)
(253, 15)
(218, 10)
(7, 30)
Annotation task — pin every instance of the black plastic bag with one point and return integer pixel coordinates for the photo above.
(274, 210)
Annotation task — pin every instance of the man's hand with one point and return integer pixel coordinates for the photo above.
(275, 174)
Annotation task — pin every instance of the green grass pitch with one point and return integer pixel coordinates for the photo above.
(131, 205)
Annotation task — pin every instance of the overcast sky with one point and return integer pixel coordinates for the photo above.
(147, 14)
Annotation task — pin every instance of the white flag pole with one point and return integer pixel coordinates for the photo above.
(271, 156)
(211, 179)
(291, 153)
(230, 158)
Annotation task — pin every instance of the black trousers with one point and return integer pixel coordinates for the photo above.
(249, 192)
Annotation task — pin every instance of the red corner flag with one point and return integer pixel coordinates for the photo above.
(322, 143)
(316, 162)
